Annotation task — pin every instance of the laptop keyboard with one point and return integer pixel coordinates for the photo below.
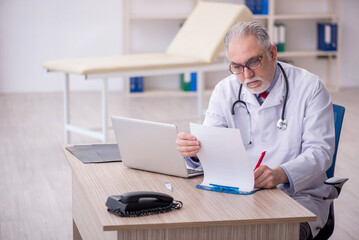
(192, 171)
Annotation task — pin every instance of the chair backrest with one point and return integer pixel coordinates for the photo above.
(202, 34)
(338, 122)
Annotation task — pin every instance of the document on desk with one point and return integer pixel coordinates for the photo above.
(224, 160)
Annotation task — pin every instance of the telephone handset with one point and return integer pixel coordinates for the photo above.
(141, 203)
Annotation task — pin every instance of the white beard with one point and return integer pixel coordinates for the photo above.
(264, 86)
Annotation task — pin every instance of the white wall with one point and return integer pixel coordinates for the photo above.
(33, 31)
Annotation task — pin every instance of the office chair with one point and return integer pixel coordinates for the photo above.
(328, 228)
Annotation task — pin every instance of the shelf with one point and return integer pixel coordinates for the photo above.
(168, 93)
(163, 93)
(260, 16)
(304, 16)
(255, 17)
(275, 14)
(306, 53)
(159, 17)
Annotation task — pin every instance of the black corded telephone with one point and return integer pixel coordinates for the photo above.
(142, 203)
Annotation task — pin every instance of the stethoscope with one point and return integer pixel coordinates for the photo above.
(282, 122)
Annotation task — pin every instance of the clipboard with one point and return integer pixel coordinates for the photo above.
(224, 160)
(225, 189)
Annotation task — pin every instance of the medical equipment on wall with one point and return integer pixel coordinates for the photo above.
(282, 122)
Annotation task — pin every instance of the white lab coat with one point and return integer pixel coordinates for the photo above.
(304, 149)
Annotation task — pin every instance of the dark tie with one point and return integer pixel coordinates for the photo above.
(264, 94)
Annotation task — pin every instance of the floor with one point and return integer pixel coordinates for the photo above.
(35, 179)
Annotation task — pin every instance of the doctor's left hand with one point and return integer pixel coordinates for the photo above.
(265, 177)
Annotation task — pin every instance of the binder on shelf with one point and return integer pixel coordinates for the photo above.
(132, 84)
(136, 84)
(334, 42)
(193, 82)
(139, 84)
(264, 7)
(258, 6)
(279, 36)
(275, 36)
(185, 81)
(327, 36)
(250, 4)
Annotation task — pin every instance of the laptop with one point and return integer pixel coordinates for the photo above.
(150, 146)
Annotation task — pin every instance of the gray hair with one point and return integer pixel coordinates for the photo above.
(244, 29)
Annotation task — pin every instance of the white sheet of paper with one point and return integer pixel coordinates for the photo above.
(223, 157)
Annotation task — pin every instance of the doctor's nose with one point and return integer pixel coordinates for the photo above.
(247, 73)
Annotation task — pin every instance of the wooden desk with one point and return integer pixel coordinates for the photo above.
(267, 214)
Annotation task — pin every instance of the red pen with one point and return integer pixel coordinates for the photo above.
(260, 160)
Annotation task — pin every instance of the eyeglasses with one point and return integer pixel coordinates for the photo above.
(251, 65)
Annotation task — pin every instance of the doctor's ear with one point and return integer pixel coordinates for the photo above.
(273, 52)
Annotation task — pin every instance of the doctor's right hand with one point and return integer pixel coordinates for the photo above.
(187, 144)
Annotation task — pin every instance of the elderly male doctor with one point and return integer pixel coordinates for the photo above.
(298, 154)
